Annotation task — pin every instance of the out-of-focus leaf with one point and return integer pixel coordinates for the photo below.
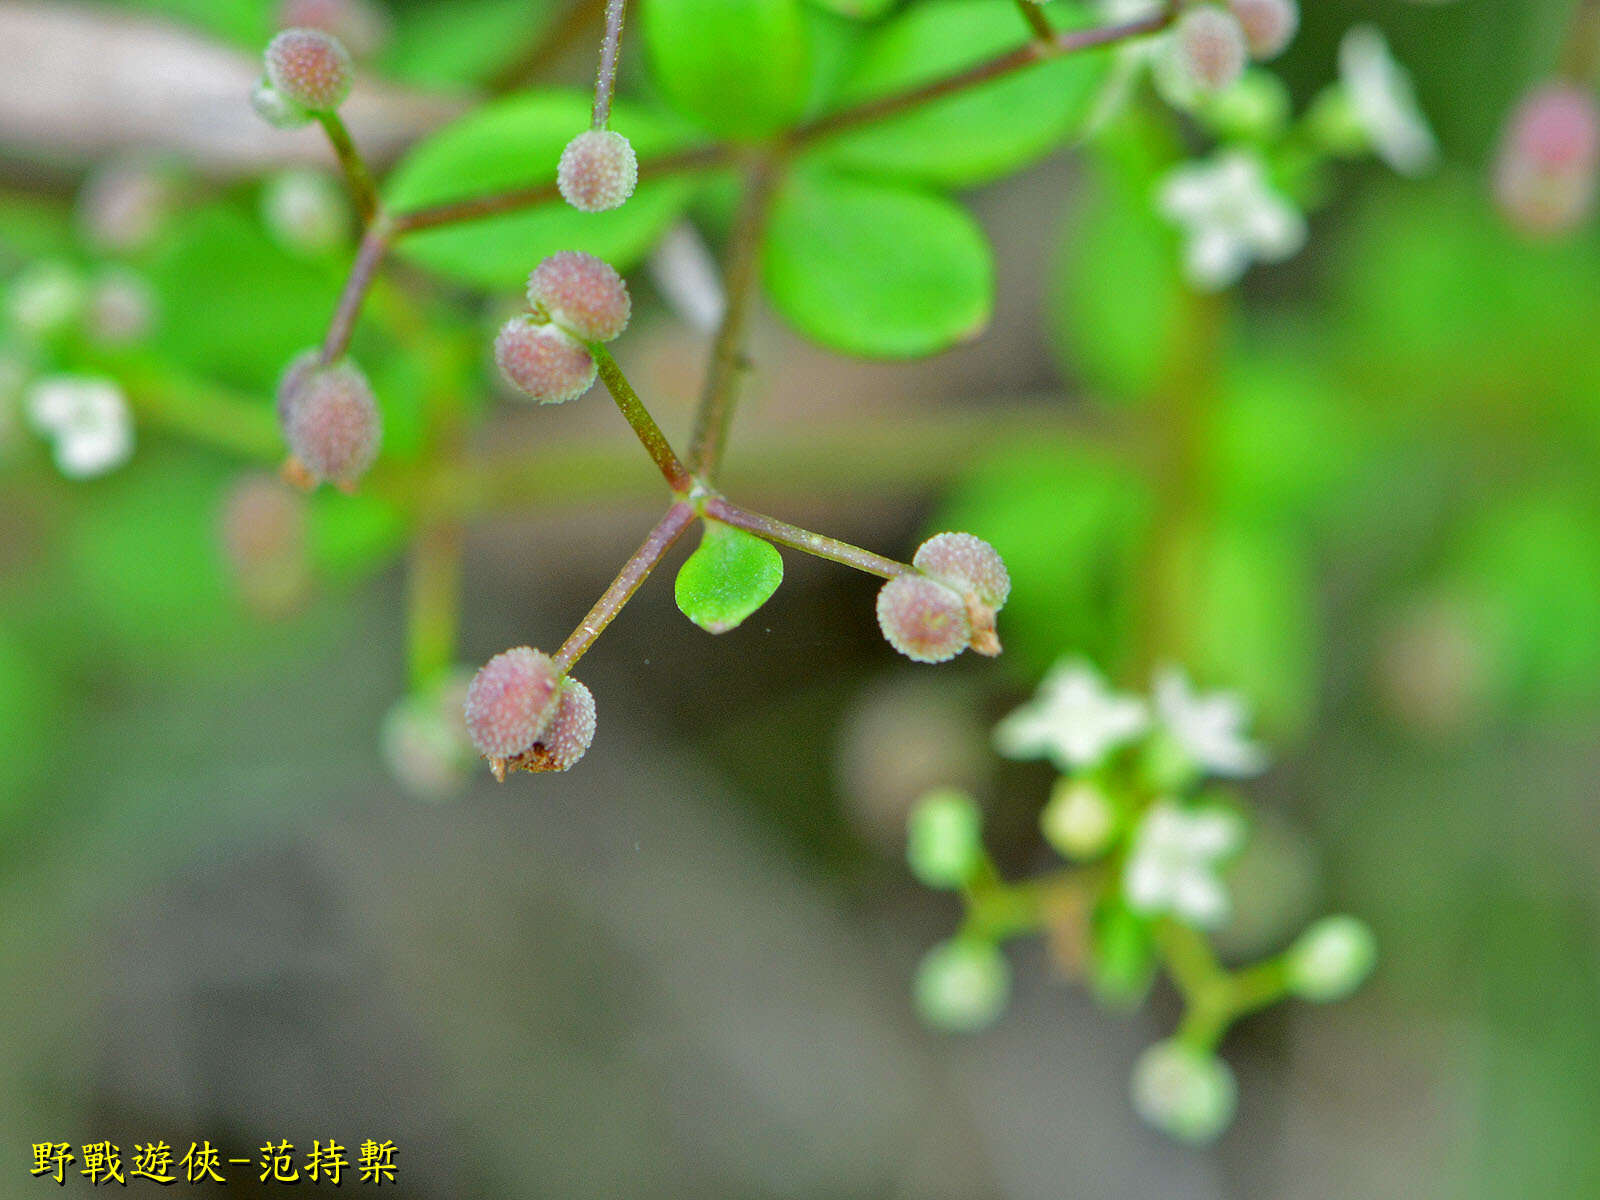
(29, 703)
(462, 41)
(516, 143)
(351, 536)
(984, 132)
(248, 22)
(1537, 560)
(875, 268)
(233, 305)
(730, 575)
(1240, 598)
(864, 10)
(1069, 522)
(738, 68)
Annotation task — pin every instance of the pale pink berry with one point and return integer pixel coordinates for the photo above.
(923, 619)
(309, 68)
(1210, 48)
(510, 701)
(598, 170)
(966, 563)
(264, 539)
(333, 427)
(566, 738)
(1545, 171)
(290, 382)
(543, 361)
(1269, 25)
(362, 25)
(582, 294)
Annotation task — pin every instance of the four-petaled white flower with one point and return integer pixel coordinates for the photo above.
(1074, 721)
(1231, 215)
(1209, 729)
(86, 419)
(1385, 102)
(1173, 865)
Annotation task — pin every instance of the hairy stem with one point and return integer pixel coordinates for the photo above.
(493, 204)
(634, 572)
(374, 245)
(717, 395)
(649, 433)
(433, 602)
(610, 47)
(818, 544)
(1038, 50)
(356, 176)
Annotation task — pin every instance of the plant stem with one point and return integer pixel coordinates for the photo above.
(649, 433)
(433, 601)
(1189, 960)
(717, 396)
(374, 245)
(1038, 50)
(818, 544)
(493, 204)
(634, 572)
(606, 80)
(1035, 18)
(356, 175)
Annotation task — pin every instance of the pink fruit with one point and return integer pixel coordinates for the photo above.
(582, 294)
(923, 619)
(543, 361)
(598, 171)
(511, 700)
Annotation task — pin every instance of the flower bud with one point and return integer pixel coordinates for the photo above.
(923, 619)
(45, 297)
(943, 840)
(425, 742)
(1269, 25)
(598, 171)
(582, 294)
(276, 109)
(510, 701)
(309, 68)
(121, 307)
(264, 539)
(1186, 1093)
(962, 985)
(333, 427)
(1545, 172)
(122, 206)
(1079, 820)
(972, 567)
(543, 361)
(1331, 959)
(1208, 49)
(566, 738)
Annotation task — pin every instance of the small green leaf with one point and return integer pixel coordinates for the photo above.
(516, 143)
(986, 131)
(875, 268)
(739, 68)
(729, 576)
(464, 41)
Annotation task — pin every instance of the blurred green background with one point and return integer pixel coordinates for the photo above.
(683, 968)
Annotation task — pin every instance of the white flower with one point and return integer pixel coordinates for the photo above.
(1074, 721)
(87, 420)
(1172, 867)
(1209, 729)
(1231, 215)
(1184, 1092)
(1385, 102)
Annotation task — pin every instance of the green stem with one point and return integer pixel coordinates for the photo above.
(433, 601)
(1035, 19)
(649, 433)
(634, 572)
(818, 544)
(718, 395)
(362, 190)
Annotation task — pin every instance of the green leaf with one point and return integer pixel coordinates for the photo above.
(875, 268)
(861, 10)
(986, 131)
(738, 68)
(464, 41)
(516, 143)
(730, 575)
